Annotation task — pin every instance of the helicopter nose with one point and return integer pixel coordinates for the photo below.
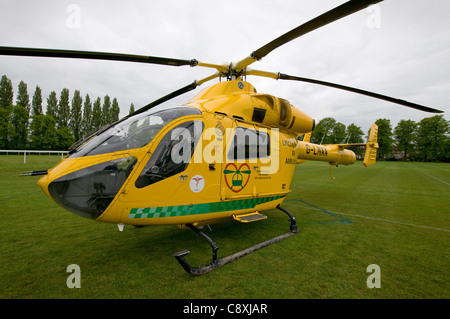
(89, 191)
(43, 183)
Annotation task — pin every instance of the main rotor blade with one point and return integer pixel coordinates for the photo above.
(165, 98)
(33, 52)
(337, 13)
(174, 94)
(147, 107)
(359, 91)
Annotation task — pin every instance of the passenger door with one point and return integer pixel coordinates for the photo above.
(244, 151)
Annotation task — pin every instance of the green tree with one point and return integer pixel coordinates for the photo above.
(36, 102)
(63, 114)
(354, 134)
(115, 111)
(131, 109)
(76, 115)
(87, 116)
(19, 121)
(338, 133)
(385, 139)
(97, 115)
(323, 131)
(64, 138)
(23, 99)
(6, 93)
(404, 135)
(6, 128)
(432, 138)
(106, 110)
(6, 102)
(43, 132)
(52, 105)
(446, 156)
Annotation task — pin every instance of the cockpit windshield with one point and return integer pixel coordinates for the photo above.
(134, 132)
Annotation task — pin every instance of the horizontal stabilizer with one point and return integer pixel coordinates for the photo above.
(370, 157)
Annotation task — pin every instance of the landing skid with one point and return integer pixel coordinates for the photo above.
(223, 261)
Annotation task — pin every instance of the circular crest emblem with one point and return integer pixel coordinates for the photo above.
(197, 183)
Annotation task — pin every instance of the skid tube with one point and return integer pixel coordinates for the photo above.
(180, 256)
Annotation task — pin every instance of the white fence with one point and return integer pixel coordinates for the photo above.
(34, 152)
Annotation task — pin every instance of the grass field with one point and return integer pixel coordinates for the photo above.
(393, 214)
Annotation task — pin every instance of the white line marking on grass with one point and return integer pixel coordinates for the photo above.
(438, 179)
(394, 221)
(387, 220)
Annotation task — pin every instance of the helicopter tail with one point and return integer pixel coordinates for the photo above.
(336, 154)
(370, 157)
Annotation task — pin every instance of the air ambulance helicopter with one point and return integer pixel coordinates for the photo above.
(227, 154)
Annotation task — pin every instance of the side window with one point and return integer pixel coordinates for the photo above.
(172, 155)
(248, 144)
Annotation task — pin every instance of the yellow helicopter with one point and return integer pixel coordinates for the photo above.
(227, 154)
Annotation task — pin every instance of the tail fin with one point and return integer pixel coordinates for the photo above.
(370, 157)
(307, 137)
(371, 147)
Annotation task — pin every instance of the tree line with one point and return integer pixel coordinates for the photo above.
(24, 125)
(426, 140)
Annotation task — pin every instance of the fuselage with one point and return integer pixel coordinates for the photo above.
(224, 153)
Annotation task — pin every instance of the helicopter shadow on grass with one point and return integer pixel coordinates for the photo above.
(328, 218)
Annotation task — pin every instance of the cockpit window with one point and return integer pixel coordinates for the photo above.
(134, 132)
(89, 191)
(173, 153)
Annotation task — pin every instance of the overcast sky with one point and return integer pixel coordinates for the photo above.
(400, 48)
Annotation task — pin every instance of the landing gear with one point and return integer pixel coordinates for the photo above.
(220, 262)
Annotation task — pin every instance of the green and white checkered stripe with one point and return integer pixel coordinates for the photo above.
(195, 209)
